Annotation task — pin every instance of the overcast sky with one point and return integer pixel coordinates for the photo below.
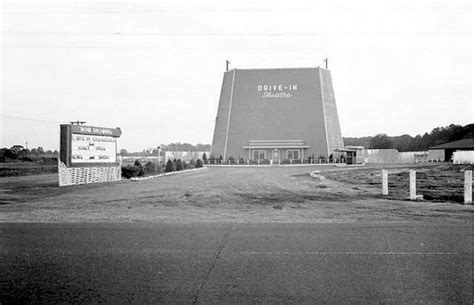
(155, 68)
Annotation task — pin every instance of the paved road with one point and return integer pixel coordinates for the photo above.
(216, 263)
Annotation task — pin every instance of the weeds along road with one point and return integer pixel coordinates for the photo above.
(236, 263)
(277, 194)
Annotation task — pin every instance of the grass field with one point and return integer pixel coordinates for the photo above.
(12, 169)
(270, 194)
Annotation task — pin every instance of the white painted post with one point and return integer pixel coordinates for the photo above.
(214, 162)
(248, 162)
(291, 161)
(229, 161)
(412, 185)
(238, 161)
(258, 162)
(467, 187)
(222, 161)
(319, 161)
(384, 182)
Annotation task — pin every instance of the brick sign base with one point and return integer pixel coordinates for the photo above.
(84, 175)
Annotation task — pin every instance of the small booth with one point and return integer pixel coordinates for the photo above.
(353, 154)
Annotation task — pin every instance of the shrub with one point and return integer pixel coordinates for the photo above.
(199, 163)
(189, 165)
(129, 171)
(179, 165)
(170, 167)
(150, 167)
(204, 157)
(139, 168)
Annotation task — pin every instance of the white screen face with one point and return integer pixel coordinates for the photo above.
(93, 149)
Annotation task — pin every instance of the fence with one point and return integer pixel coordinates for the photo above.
(412, 185)
(463, 157)
(266, 162)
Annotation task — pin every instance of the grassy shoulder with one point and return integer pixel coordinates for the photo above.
(269, 194)
(28, 168)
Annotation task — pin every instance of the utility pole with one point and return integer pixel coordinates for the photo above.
(227, 65)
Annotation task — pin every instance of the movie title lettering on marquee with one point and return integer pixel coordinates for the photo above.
(277, 91)
(93, 149)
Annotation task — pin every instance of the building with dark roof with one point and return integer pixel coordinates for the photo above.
(276, 114)
(444, 152)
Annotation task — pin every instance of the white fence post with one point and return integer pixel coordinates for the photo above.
(248, 162)
(412, 185)
(467, 187)
(384, 182)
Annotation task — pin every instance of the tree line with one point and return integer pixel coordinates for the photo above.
(151, 168)
(437, 136)
(19, 153)
(168, 147)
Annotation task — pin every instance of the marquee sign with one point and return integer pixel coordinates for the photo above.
(93, 149)
(81, 145)
(88, 154)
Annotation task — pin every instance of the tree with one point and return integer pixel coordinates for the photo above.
(170, 167)
(198, 163)
(381, 141)
(204, 157)
(24, 153)
(123, 152)
(402, 143)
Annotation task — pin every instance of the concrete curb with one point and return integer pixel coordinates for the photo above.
(268, 165)
(167, 174)
(316, 175)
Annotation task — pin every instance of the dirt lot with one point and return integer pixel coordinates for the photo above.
(270, 194)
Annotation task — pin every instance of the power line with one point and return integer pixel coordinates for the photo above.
(157, 48)
(28, 119)
(161, 11)
(160, 34)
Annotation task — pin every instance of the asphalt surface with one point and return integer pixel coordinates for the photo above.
(236, 263)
